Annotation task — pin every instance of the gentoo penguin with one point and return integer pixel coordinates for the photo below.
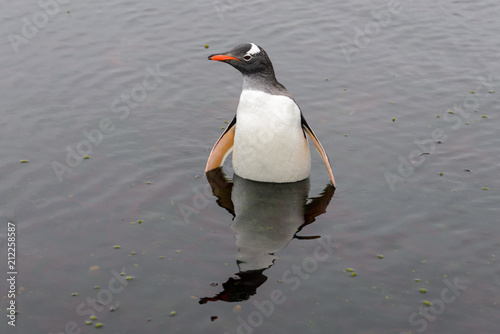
(268, 134)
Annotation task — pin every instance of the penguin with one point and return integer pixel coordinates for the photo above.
(267, 136)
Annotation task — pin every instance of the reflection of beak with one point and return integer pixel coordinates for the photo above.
(221, 57)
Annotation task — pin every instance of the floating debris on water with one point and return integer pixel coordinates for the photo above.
(426, 302)
(86, 157)
(173, 313)
(206, 46)
(88, 322)
(98, 325)
(24, 161)
(380, 256)
(74, 294)
(116, 247)
(423, 290)
(394, 119)
(350, 270)
(485, 188)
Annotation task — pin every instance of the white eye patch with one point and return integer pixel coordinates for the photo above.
(253, 50)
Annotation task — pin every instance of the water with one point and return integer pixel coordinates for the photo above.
(371, 79)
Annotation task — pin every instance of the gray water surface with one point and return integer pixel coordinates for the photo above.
(128, 84)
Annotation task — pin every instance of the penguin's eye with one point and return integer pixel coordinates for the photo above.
(247, 57)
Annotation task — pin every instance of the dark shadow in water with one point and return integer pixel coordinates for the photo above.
(266, 216)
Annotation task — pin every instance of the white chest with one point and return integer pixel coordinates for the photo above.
(269, 143)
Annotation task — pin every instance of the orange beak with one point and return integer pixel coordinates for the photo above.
(221, 57)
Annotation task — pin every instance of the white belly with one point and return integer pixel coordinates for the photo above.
(269, 143)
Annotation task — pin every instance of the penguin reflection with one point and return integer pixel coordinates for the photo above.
(266, 216)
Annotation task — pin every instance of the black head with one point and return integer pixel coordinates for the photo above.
(249, 59)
